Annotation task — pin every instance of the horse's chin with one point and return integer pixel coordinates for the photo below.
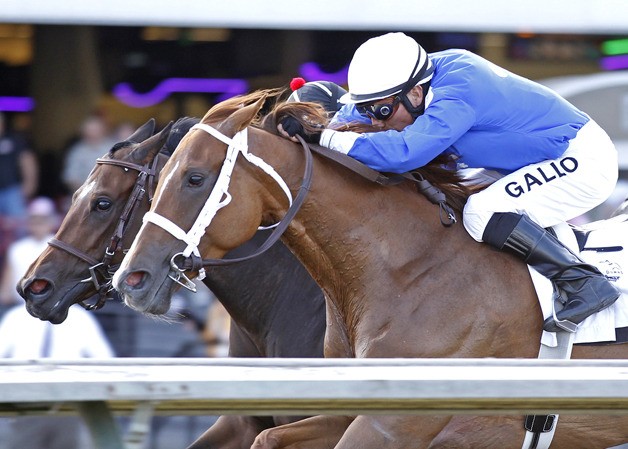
(56, 315)
(152, 302)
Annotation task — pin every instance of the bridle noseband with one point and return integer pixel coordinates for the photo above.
(220, 197)
(101, 272)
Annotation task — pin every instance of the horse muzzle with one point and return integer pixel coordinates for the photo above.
(142, 293)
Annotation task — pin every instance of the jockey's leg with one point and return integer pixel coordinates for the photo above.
(587, 290)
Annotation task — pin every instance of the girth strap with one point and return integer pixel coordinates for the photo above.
(540, 428)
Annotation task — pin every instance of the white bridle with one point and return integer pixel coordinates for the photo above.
(218, 198)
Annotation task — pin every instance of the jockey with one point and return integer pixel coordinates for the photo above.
(325, 93)
(553, 161)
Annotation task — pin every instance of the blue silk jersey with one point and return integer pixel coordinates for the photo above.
(481, 114)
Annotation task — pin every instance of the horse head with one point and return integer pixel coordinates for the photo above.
(79, 260)
(193, 178)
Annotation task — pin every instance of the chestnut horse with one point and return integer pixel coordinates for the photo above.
(277, 310)
(398, 283)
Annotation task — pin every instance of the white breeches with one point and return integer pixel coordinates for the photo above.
(551, 191)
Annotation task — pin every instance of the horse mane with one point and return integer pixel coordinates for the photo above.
(313, 117)
(225, 109)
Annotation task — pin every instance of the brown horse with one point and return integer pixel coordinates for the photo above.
(277, 310)
(398, 283)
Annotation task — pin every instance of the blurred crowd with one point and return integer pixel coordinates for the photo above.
(30, 213)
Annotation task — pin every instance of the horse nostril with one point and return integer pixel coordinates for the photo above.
(134, 279)
(38, 286)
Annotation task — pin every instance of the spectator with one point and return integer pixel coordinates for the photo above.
(25, 337)
(18, 172)
(18, 182)
(93, 143)
(42, 222)
(79, 336)
(216, 330)
(123, 131)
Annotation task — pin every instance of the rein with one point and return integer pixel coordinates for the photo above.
(101, 272)
(220, 197)
(431, 192)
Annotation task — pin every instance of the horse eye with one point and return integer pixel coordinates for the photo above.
(103, 204)
(196, 180)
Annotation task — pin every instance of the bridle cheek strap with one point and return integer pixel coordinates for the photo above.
(219, 196)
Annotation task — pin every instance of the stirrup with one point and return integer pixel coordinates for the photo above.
(565, 325)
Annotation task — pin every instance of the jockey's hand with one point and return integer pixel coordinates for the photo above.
(290, 127)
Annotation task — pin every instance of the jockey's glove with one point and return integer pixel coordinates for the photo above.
(293, 127)
(341, 141)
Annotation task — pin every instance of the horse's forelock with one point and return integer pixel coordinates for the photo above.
(120, 145)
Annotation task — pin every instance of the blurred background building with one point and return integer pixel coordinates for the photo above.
(132, 60)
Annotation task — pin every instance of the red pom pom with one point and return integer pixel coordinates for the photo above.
(296, 83)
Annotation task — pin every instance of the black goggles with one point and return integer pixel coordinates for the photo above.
(380, 111)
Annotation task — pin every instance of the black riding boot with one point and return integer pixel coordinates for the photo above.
(587, 290)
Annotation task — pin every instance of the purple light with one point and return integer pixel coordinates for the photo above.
(16, 104)
(226, 87)
(614, 62)
(312, 72)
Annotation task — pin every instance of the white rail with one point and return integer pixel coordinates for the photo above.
(96, 388)
(324, 386)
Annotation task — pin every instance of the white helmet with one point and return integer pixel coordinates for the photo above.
(386, 65)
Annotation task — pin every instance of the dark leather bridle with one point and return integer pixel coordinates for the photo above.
(101, 272)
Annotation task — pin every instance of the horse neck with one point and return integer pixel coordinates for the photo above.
(272, 299)
(349, 228)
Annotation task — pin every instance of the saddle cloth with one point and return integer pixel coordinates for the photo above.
(603, 244)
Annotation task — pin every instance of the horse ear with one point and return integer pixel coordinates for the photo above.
(244, 116)
(143, 132)
(149, 148)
